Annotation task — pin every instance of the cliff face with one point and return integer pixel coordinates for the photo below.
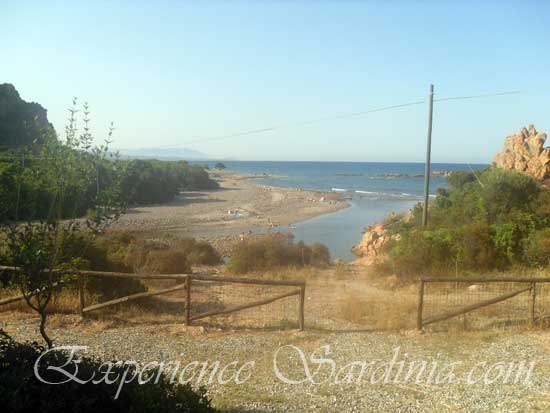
(525, 152)
(21, 123)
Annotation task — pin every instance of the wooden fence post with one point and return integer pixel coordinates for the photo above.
(188, 301)
(302, 305)
(81, 292)
(420, 306)
(532, 304)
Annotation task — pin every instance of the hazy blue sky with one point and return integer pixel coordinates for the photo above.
(170, 72)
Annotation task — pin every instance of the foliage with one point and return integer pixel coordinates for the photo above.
(197, 252)
(37, 170)
(151, 181)
(123, 252)
(537, 249)
(219, 165)
(21, 391)
(275, 251)
(130, 254)
(63, 174)
(489, 219)
(166, 261)
(62, 179)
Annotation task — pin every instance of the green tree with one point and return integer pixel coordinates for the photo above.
(67, 172)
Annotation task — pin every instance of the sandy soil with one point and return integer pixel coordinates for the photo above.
(240, 204)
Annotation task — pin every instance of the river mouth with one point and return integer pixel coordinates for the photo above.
(373, 189)
(339, 230)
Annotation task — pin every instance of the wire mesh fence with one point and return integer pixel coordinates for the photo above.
(483, 304)
(227, 302)
(211, 297)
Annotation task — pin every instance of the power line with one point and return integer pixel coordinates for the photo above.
(302, 123)
(337, 117)
(487, 95)
(334, 117)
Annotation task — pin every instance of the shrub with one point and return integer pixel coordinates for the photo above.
(104, 254)
(21, 391)
(475, 248)
(504, 191)
(274, 251)
(538, 248)
(460, 178)
(152, 181)
(423, 250)
(197, 252)
(167, 261)
(483, 221)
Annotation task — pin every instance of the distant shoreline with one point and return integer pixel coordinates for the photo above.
(241, 203)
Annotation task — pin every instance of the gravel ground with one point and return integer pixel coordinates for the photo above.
(265, 392)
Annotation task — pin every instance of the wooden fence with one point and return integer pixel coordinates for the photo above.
(453, 297)
(186, 283)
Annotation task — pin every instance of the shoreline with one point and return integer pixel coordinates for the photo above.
(240, 204)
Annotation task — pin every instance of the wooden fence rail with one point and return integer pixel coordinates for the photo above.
(187, 282)
(421, 322)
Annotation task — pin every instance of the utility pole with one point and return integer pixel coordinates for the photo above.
(428, 156)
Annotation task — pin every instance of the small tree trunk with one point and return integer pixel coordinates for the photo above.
(47, 339)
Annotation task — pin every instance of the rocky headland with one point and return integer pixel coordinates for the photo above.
(525, 152)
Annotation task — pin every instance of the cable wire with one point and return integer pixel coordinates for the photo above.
(336, 117)
(487, 95)
(302, 123)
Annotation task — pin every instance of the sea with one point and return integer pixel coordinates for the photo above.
(373, 189)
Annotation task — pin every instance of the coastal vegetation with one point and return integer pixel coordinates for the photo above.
(36, 166)
(487, 220)
(146, 182)
(275, 251)
(59, 197)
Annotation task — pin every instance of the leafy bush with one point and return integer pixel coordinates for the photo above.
(197, 252)
(418, 250)
(152, 181)
(505, 191)
(485, 220)
(275, 251)
(103, 254)
(538, 248)
(167, 261)
(21, 391)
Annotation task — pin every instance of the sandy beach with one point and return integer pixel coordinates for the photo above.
(241, 203)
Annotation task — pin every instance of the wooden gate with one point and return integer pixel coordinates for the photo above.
(484, 291)
(188, 283)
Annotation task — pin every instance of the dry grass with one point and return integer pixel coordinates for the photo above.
(65, 301)
(391, 312)
(340, 293)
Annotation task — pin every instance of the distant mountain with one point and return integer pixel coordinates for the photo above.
(163, 153)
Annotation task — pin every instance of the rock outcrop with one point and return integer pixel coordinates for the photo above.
(525, 152)
(370, 249)
(21, 123)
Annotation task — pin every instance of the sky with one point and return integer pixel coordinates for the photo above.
(179, 73)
